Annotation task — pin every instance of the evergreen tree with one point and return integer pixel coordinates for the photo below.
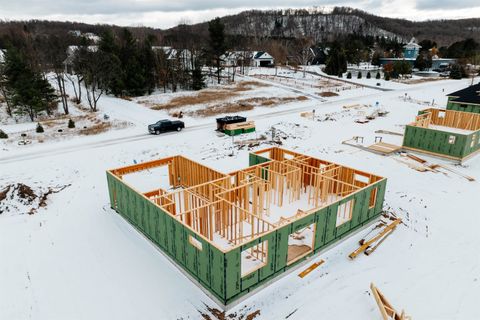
(376, 58)
(133, 75)
(349, 75)
(401, 68)
(420, 63)
(31, 93)
(336, 61)
(3, 135)
(148, 64)
(359, 76)
(369, 75)
(217, 44)
(198, 79)
(456, 72)
(378, 76)
(109, 52)
(71, 124)
(39, 128)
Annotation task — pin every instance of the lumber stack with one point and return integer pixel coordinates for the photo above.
(239, 128)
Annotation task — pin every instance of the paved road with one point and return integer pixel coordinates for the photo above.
(57, 150)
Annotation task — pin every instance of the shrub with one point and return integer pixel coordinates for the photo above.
(387, 76)
(71, 124)
(349, 75)
(359, 76)
(378, 75)
(340, 75)
(369, 75)
(3, 135)
(457, 72)
(39, 128)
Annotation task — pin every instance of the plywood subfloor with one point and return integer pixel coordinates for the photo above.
(385, 148)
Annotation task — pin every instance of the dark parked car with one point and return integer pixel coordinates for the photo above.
(166, 125)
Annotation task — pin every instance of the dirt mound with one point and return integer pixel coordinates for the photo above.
(215, 314)
(19, 198)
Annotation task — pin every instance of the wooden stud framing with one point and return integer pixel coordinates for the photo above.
(236, 206)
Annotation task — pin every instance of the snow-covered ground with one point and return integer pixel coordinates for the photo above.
(77, 259)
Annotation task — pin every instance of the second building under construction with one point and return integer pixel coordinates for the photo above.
(232, 233)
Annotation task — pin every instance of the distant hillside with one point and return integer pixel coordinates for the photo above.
(321, 25)
(282, 24)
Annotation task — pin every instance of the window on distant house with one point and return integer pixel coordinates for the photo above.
(451, 140)
(344, 212)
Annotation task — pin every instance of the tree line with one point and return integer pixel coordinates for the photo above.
(36, 71)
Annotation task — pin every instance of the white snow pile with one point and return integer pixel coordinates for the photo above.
(19, 198)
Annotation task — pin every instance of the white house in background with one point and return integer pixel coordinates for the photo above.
(184, 55)
(247, 58)
(71, 51)
(262, 59)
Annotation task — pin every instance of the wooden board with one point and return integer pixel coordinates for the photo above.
(385, 148)
(314, 266)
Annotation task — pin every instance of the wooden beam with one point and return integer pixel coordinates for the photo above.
(376, 238)
(387, 311)
(314, 266)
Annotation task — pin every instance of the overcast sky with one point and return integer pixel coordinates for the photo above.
(168, 13)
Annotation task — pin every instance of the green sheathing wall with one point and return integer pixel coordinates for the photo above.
(326, 233)
(218, 272)
(254, 159)
(463, 107)
(472, 147)
(435, 141)
(207, 265)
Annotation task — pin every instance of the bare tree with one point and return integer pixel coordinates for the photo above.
(305, 54)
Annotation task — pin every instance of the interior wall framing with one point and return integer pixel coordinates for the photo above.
(217, 205)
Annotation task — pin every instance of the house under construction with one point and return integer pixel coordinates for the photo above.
(233, 233)
(446, 133)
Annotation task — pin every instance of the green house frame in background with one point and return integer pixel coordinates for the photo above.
(228, 232)
(446, 133)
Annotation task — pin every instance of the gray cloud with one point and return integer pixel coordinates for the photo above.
(50, 7)
(446, 4)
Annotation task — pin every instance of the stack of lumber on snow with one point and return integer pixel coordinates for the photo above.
(241, 125)
(369, 246)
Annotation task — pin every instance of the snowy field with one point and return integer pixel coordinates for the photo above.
(75, 258)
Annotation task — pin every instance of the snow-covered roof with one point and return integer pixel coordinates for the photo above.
(262, 55)
(412, 44)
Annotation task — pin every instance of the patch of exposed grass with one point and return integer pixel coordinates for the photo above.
(243, 105)
(96, 129)
(328, 94)
(209, 95)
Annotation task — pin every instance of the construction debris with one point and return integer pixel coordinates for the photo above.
(314, 266)
(20, 198)
(389, 132)
(385, 148)
(366, 246)
(386, 309)
(432, 167)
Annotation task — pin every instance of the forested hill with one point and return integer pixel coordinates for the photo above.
(326, 26)
(316, 24)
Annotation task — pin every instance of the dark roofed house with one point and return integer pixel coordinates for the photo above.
(263, 59)
(466, 100)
